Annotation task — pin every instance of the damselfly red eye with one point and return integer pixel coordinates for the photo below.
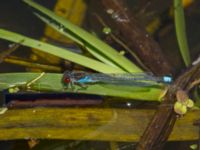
(67, 80)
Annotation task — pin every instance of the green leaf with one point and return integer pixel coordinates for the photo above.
(78, 34)
(78, 40)
(59, 52)
(181, 32)
(52, 82)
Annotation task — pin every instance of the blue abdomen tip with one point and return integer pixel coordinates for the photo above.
(167, 79)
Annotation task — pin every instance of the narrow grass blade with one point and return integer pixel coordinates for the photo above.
(181, 31)
(59, 52)
(88, 39)
(78, 41)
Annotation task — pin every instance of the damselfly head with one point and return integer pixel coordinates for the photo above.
(66, 80)
(67, 77)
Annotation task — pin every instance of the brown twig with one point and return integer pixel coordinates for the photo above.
(161, 125)
(52, 100)
(52, 103)
(117, 15)
(121, 43)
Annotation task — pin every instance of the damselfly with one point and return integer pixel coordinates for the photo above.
(130, 79)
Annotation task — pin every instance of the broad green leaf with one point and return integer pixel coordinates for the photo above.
(52, 82)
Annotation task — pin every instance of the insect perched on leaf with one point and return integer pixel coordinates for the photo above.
(83, 79)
